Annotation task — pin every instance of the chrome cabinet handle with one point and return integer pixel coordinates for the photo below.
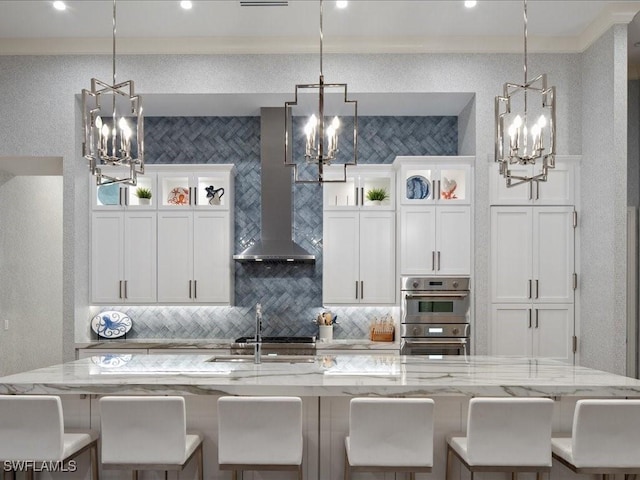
(438, 257)
(529, 288)
(356, 289)
(195, 289)
(537, 190)
(537, 288)
(126, 295)
(537, 317)
(120, 289)
(529, 318)
(362, 196)
(190, 289)
(530, 191)
(433, 260)
(357, 196)
(126, 198)
(361, 290)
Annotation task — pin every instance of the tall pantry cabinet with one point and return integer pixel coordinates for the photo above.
(533, 273)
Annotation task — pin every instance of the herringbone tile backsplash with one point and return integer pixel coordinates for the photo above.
(291, 295)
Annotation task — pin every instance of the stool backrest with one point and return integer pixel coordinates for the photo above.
(143, 430)
(260, 430)
(391, 431)
(606, 433)
(31, 427)
(509, 431)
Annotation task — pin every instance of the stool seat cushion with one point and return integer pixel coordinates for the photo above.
(72, 442)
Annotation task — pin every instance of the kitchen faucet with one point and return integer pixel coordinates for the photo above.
(257, 345)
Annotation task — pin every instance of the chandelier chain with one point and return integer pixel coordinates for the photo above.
(321, 38)
(525, 42)
(113, 65)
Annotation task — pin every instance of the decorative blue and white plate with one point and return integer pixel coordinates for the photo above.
(112, 360)
(418, 187)
(111, 324)
(108, 194)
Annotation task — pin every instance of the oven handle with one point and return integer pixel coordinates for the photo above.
(451, 341)
(409, 296)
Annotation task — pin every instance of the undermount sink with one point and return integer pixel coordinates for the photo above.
(264, 358)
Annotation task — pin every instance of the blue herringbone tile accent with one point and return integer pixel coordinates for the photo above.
(291, 295)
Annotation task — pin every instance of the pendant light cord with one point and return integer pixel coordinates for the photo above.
(321, 38)
(114, 43)
(525, 42)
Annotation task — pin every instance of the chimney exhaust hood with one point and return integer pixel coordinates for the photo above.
(276, 244)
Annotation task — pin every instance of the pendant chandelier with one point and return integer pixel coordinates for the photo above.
(313, 145)
(530, 139)
(113, 128)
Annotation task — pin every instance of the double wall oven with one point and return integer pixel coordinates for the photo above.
(435, 316)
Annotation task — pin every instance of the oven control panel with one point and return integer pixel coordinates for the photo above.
(434, 330)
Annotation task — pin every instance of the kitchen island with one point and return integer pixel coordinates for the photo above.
(326, 383)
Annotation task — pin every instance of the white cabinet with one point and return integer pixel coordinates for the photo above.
(118, 196)
(435, 240)
(533, 330)
(434, 180)
(176, 249)
(123, 257)
(194, 257)
(532, 254)
(359, 257)
(363, 181)
(197, 187)
(559, 189)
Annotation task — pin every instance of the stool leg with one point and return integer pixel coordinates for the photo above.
(347, 470)
(412, 475)
(95, 473)
(234, 475)
(300, 472)
(447, 474)
(201, 464)
(29, 474)
(134, 475)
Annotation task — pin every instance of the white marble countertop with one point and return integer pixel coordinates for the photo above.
(196, 344)
(322, 375)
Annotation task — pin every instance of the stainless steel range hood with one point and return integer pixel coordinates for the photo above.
(276, 244)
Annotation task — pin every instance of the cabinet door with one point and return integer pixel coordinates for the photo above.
(212, 257)
(453, 240)
(107, 264)
(511, 329)
(511, 246)
(553, 328)
(417, 240)
(340, 282)
(553, 254)
(517, 195)
(377, 258)
(559, 187)
(175, 257)
(140, 257)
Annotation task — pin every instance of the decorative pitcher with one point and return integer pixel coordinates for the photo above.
(214, 194)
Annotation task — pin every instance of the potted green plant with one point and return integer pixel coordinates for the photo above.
(144, 195)
(377, 195)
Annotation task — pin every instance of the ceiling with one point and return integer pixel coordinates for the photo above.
(30, 27)
(148, 26)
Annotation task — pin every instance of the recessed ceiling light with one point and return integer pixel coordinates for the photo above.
(470, 3)
(186, 4)
(342, 3)
(59, 5)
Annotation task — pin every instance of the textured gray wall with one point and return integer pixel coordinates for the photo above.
(604, 201)
(38, 92)
(31, 266)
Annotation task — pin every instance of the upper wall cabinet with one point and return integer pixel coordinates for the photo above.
(559, 189)
(120, 197)
(366, 187)
(177, 249)
(434, 180)
(200, 188)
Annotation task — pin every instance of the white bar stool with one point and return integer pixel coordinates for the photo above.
(147, 433)
(605, 438)
(260, 433)
(32, 429)
(505, 435)
(389, 435)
